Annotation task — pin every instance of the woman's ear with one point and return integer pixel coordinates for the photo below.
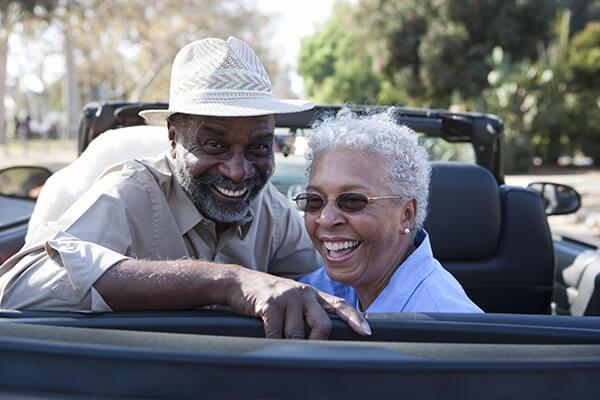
(409, 214)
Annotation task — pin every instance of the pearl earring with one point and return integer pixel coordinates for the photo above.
(406, 231)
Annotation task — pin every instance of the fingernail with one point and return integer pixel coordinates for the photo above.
(366, 328)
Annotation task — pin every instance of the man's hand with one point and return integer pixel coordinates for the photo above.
(284, 305)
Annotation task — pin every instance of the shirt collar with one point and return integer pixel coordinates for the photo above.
(244, 225)
(187, 215)
(408, 275)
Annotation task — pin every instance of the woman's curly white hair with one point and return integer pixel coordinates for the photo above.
(408, 163)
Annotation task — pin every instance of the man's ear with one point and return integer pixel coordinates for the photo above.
(172, 138)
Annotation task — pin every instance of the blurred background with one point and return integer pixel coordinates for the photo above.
(534, 63)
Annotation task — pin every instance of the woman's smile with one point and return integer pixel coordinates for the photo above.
(339, 251)
(364, 207)
(360, 248)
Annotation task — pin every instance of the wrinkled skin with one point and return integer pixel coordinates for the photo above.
(213, 155)
(379, 244)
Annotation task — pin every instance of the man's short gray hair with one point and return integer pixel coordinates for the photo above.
(408, 164)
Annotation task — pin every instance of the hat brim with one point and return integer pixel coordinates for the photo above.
(235, 108)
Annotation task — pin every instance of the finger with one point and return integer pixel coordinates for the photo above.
(345, 311)
(316, 318)
(273, 323)
(294, 319)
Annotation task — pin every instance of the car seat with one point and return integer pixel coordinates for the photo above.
(494, 239)
(575, 291)
(63, 188)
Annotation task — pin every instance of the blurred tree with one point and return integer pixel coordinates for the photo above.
(122, 49)
(11, 13)
(394, 31)
(584, 58)
(535, 63)
(584, 79)
(419, 52)
(536, 102)
(553, 130)
(582, 12)
(439, 46)
(334, 66)
(127, 46)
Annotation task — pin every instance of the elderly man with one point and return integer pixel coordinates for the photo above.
(197, 226)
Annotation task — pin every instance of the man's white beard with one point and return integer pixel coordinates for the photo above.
(199, 192)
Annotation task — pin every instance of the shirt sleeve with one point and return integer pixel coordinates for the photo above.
(95, 234)
(58, 276)
(84, 262)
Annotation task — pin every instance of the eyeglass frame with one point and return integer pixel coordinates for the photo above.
(326, 200)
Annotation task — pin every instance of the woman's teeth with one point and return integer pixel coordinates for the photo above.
(231, 193)
(340, 245)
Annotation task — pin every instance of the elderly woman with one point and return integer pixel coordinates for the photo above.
(364, 207)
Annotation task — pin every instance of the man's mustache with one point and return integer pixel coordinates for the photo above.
(252, 183)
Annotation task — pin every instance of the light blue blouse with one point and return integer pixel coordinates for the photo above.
(420, 284)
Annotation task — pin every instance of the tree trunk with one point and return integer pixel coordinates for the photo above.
(70, 88)
(145, 82)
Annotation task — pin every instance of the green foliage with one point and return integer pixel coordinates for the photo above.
(38, 7)
(582, 12)
(552, 101)
(534, 63)
(401, 26)
(518, 153)
(449, 63)
(436, 48)
(584, 58)
(335, 68)
(440, 150)
(584, 77)
(391, 95)
(513, 94)
(419, 52)
(516, 26)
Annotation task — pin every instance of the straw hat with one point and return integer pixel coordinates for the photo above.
(220, 78)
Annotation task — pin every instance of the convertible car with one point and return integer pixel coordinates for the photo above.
(539, 338)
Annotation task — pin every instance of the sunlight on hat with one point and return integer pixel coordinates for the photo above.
(213, 77)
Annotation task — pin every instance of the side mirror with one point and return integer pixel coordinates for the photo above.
(558, 198)
(23, 182)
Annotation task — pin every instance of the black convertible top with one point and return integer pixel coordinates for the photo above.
(484, 131)
(177, 354)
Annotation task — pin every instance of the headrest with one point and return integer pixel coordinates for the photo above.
(464, 211)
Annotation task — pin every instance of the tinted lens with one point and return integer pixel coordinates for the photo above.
(352, 202)
(310, 202)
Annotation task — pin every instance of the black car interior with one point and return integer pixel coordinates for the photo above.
(502, 253)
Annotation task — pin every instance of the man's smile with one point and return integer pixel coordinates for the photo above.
(231, 193)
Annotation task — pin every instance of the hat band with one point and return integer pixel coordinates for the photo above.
(233, 79)
(209, 96)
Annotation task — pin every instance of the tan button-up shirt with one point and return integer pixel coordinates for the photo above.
(138, 210)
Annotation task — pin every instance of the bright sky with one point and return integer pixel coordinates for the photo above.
(292, 21)
(296, 20)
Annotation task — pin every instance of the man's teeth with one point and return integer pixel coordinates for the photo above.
(231, 193)
(340, 245)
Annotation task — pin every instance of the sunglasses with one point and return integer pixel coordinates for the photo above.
(350, 202)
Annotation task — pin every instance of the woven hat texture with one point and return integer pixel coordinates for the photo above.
(214, 77)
